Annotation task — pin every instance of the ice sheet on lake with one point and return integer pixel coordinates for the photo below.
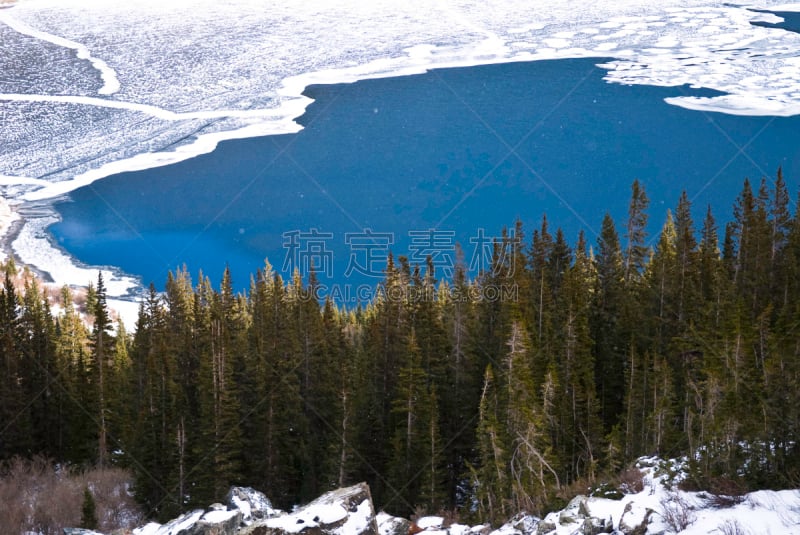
(144, 83)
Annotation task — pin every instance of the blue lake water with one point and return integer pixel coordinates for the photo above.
(791, 20)
(456, 150)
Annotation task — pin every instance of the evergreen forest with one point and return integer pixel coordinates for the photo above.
(441, 394)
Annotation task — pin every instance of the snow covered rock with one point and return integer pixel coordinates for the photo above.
(346, 511)
(254, 505)
(575, 518)
(635, 519)
(178, 526)
(80, 531)
(428, 523)
(392, 525)
(217, 521)
(520, 524)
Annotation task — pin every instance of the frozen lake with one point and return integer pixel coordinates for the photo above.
(91, 91)
(455, 150)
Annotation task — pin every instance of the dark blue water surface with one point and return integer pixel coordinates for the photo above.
(791, 20)
(455, 149)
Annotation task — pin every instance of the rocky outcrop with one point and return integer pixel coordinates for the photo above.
(577, 518)
(254, 505)
(521, 524)
(216, 521)
(243, 507)
(347, 511)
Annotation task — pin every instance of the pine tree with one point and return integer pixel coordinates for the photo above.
(530, 463)
(15, 438)
(458, 408)
(414, 413)
(577, 431)
(636, 234)
(102, 355)
(219, 318)
(157, 442)
(40, 372)
(77, 437)
(88, 510)
(278, 416)
(491, 477)
(609, 340)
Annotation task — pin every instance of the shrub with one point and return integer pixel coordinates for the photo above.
(677, 512)
(606, 490)
(725, 492)
(37, 496)
(631, 481)
(732, 527)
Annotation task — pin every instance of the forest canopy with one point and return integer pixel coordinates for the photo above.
(439, 394)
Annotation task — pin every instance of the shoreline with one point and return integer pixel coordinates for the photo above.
(12, 223)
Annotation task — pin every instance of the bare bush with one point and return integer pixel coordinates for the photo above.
(725, 492)
(631, 481)
(36, 496)
(677, 512)
(732, 527)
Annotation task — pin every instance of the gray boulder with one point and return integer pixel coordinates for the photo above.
(595, 526)
(545, 526)
(254, 505)
(392, 525)
(183, 525)
(218, 522)
(520, 524)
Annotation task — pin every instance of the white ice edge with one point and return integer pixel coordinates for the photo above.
(745, 105)
(35, 248)
(109, 76)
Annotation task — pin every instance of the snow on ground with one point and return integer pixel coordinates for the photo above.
(90, 88)
(688, 513)
(666, 508)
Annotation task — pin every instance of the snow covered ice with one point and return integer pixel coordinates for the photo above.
(90, 88)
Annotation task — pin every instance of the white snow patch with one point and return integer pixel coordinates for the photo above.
(216, 517)
(309, 517)
(178, 525)
(358, 521)
(150, 528)
(242, 505)
(111, 84)
(152, 111)
(427, 522)
(6, 180)
(737, 105)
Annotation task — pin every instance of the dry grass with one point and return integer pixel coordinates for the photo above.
(36, 496)
(732, 527)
